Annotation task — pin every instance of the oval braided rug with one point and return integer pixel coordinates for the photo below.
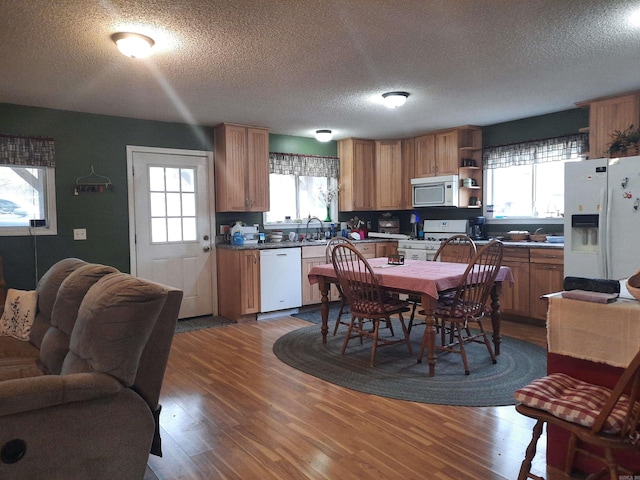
(398, 375)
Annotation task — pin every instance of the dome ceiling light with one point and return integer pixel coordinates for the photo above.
(394, 99)
(324, 135)
(133, 45)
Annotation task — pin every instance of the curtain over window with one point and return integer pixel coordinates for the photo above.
(27, 151)
(537, 151)
(304, 165)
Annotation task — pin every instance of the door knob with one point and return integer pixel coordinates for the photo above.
(206, 248)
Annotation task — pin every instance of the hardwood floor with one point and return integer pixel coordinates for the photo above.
(232, 410)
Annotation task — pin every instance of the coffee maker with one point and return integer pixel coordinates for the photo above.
(478, 228)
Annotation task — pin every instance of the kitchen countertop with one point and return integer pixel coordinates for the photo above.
(288, 244)
(527, 244)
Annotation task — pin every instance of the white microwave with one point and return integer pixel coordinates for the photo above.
(435, 191)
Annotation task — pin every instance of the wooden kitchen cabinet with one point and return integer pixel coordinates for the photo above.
(389, 175)
(368, 250)
(447, 153)
(357, 174)
(606, 115)
(408, 172)
(514, 299)
(312, 256)
(384, 249)
(241, 168)
(238, 282)
(425, 156)
(546, 275)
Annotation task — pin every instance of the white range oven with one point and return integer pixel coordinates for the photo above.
(434, 232)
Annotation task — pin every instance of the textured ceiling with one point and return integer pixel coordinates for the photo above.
(298, 65)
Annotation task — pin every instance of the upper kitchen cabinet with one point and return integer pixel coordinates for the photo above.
(241, 168)
(408, 171)
(389, 179)
(425, 156)
(437, 154)
(606, 115)
(469, 153)
(357, 175)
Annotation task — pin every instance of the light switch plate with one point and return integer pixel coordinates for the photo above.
(79, 233)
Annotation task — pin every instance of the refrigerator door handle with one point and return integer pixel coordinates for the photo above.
(607, 234)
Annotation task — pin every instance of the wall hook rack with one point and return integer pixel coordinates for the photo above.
(92, 183)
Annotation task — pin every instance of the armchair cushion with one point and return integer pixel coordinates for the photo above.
(19, 313)
(573, 400)
(25, 394)
(115, 320)
(55, 344)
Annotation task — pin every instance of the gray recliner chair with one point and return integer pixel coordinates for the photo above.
(91, 410)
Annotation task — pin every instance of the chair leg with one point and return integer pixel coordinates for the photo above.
(487, 343)
(405, 330)
(463, 352)
(348, 335)
(335, 329)
(525, 467)
(413, 314)
(374, 347)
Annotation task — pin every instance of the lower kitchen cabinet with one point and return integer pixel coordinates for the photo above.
(368, 250)
(536, 272)
(514, 299)
(546, 275)
(312, 256)
(384, 249)
(238, 282)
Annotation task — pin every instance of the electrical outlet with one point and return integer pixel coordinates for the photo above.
(79, 233)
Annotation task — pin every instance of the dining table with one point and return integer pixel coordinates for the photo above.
(419, 278)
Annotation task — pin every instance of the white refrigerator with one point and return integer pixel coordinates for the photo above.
(602, 218)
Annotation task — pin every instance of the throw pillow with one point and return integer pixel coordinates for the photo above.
(19, 313)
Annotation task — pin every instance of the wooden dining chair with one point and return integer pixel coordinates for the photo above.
(455, 249)
(468, 305)
(592, 415)
(367, 301)
(331, 244)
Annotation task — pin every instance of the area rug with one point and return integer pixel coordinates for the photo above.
(398, 375)
(198, 323)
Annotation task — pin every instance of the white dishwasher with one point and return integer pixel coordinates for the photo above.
(280, 279)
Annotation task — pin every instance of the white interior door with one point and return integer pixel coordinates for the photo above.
(171, 218)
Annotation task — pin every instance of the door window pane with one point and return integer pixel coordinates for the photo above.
(173, 204)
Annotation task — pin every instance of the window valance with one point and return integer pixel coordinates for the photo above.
(304, 165)
(26, 151)
(537, 151)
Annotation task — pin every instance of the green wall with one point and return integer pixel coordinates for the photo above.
(536, 128)
(83, 140)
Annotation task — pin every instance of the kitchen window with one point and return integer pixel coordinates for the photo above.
(297, 183)
(27, 186)
(526, 180)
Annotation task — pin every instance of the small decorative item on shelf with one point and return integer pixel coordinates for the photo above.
(92, 183)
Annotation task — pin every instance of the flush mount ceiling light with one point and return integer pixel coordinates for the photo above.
(324, 135)
(394, 99)
(133, 45)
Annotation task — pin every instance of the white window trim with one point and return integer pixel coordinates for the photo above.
(52, 227)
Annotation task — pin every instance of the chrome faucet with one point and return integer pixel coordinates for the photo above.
(306, 231)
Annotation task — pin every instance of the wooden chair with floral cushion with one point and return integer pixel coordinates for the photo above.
(367, 301)
(455, 249)
(593, 415)
(343, 300)
(468, 305)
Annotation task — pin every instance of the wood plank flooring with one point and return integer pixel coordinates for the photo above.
(233, 411)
